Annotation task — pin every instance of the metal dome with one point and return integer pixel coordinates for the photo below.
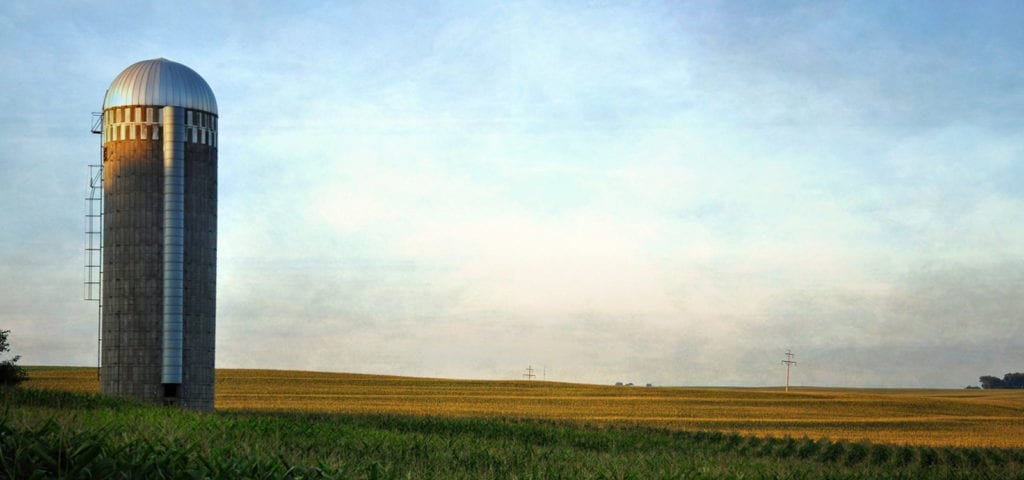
(160, 82)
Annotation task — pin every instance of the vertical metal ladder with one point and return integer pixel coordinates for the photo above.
(94, 239)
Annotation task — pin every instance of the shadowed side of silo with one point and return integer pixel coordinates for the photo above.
(159, 235)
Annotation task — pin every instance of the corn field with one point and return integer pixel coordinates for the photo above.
(49, 432)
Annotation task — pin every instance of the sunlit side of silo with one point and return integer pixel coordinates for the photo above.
(159, 130)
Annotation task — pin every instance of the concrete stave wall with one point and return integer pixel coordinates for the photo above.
(133, 263)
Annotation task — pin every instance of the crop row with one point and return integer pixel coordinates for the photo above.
(940, 418)
(46, 434)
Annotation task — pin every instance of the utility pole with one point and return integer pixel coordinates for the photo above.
(788, 362)
(529, 375)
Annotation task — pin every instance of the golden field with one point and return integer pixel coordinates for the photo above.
(977, 418)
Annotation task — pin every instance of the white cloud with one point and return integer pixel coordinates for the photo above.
(606, 190)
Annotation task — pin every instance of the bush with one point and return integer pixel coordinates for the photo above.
(10, 372)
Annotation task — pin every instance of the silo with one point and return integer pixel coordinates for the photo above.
(159, 130)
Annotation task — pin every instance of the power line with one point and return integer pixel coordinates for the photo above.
(529, 375)
(788, 361)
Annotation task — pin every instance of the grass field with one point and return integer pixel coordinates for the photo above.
(936, 418)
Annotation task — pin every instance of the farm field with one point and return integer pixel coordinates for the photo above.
(936, 418)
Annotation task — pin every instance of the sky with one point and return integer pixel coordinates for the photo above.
(670, 193)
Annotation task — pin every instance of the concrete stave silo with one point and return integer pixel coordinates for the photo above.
(159, 235)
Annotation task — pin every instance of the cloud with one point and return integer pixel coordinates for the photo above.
(671, 193)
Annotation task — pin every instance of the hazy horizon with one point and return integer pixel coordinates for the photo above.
(639, 192)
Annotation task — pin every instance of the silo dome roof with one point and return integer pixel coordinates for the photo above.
(160, 82)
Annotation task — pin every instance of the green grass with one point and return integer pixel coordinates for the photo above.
(59, 434)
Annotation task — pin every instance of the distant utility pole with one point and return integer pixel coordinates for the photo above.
(788, 362)
(529, 375)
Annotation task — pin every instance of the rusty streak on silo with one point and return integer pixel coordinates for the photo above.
(159, 235)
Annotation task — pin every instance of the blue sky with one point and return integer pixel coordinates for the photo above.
(617, 191)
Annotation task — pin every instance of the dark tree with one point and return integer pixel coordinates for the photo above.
(1013, 380)
(991, 382)
(1010, 380)
(10, 372)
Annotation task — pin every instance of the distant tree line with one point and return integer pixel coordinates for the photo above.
(1010, 380)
